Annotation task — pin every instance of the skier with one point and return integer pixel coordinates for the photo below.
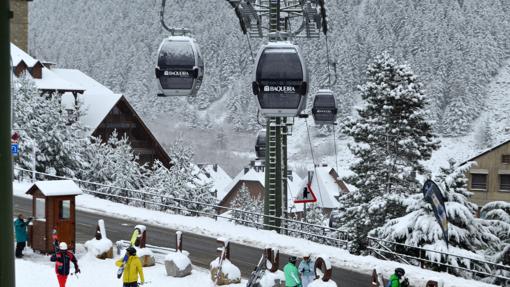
(63, 259)
(397, 279)
(20, 228)
(132, 269)
(291, 273)
(307, 270)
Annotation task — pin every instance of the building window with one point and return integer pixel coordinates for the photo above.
(504, 182)
(64, 210)
(479, 181)
(505, 158)
(40, 208)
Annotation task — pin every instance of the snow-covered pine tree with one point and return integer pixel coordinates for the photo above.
(497, 217)
(391, 138)
(246, 202)
(46, 131)
(112, 163)
(467, 235)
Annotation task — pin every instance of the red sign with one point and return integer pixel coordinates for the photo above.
(15, 137)
(306, 195)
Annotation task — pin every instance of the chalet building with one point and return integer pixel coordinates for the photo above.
(327, 187)
(217, 177)
(253, 177)
(489, 176)
(325, 184)
(105, 111)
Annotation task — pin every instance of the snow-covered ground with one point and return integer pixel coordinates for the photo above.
(256, 238)
(36, 270)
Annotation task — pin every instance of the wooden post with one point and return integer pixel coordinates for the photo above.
(178, 241)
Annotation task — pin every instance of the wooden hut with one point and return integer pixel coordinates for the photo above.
(53, 210)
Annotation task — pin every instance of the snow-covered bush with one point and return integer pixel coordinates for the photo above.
(468, 236)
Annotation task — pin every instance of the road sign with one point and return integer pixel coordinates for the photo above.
(15, 149)
(306, 195)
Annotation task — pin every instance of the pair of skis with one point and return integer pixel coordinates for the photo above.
(258, 272)
(220, 263)
(126, 256)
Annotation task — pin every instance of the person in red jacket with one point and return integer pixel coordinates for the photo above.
(63, 259)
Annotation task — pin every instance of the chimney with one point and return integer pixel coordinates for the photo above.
(215, 167)
(246, 170)
(19, 23)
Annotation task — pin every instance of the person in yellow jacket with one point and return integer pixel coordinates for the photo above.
(132, 269)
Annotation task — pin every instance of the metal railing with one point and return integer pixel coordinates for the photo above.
(466, 267)
(154, 200)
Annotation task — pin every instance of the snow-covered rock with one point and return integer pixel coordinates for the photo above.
(101, 249)
(270, 279)
(229, 274)
(320, 283)
(177, 264)
(146, 256)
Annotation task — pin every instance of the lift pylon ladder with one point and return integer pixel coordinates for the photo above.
(277, 15)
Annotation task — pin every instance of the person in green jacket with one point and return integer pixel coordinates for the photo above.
(20, 228)
(395, 279)
(291, 273)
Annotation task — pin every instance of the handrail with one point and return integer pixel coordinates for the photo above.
(325, 229)
(387, 250)
(185, 200)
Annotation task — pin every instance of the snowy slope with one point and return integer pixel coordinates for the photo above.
(37, 270)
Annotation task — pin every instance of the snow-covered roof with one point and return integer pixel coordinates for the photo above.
(294, 184)
(49, 80)
(56, 187)
(325, 187)
(98, 100)
(218, 178)
(18, 55)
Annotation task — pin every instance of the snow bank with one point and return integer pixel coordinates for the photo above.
(97, 247)
(269, 278)
(181, 260)
(37, 270)
(230, 270)
(320, 283)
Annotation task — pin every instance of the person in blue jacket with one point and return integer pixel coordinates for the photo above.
(306, 269)
(20, 228)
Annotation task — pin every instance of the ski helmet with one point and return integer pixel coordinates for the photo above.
(131, 250)
(292, 259)
(400, 272)
(62, 246)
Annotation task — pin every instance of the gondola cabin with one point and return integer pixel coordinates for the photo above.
(180, 67)
(324, 108)
(260, 145)
(281, 80)
(53, 210)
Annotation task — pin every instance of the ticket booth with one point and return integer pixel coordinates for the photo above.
(53, 210)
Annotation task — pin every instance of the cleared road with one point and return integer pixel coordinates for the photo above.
(202, 248)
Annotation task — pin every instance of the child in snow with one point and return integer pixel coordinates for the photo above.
(306, 269)
(397, 279)
(291, 273)
(63, 259)
(20, 228)
(132, 269)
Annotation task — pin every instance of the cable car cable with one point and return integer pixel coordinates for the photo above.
(313, 159)
(251, 50)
